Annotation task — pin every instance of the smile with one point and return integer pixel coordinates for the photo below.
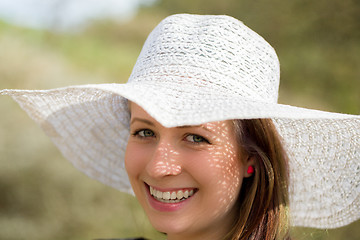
(172, 196)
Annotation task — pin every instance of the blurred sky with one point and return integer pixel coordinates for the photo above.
(66, 15)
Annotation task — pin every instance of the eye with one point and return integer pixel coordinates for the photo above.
(144, 133)
(196, 139)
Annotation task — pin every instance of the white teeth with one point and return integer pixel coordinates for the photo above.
(166, 195)
(179, 194)
(171, 197)
(159, 194)
(186, 194)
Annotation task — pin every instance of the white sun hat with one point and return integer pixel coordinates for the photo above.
(195, 69)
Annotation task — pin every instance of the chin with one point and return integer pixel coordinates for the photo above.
(169, 225)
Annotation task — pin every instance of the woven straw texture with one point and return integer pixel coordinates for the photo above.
(196, 69)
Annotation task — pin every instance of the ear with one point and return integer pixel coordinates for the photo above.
(250, 162)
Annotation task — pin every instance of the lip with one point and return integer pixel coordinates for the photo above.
(167, 207)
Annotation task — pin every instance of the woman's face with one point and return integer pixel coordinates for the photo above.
(186, 178)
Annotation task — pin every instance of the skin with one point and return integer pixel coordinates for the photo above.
(203, 158)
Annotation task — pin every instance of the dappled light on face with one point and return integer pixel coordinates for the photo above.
(225, 164)
(186, 178)
(164, 162)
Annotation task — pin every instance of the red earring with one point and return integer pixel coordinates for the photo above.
(250, 170)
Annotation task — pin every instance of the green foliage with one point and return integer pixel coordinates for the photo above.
(42, 195)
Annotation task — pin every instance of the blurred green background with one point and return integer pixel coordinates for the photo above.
(43, 197)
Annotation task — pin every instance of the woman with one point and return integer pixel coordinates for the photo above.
(188, 179)
(205, 144)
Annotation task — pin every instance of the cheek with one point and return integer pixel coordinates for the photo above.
(231, 168)
(215, 166)
(220, 173)
(229, 175)
(134, 160)
(232, 178)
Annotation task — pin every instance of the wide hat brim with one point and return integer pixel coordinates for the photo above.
(90, 126)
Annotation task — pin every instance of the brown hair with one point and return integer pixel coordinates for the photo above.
(263, 200)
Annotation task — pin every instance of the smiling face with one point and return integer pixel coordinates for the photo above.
(187, 178)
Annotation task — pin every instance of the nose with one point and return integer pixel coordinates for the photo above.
(164, 161)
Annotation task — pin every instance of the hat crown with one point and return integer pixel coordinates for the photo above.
(218, 53)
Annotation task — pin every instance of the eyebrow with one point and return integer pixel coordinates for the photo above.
(191, 126)
(142, 120)
(152, 124)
